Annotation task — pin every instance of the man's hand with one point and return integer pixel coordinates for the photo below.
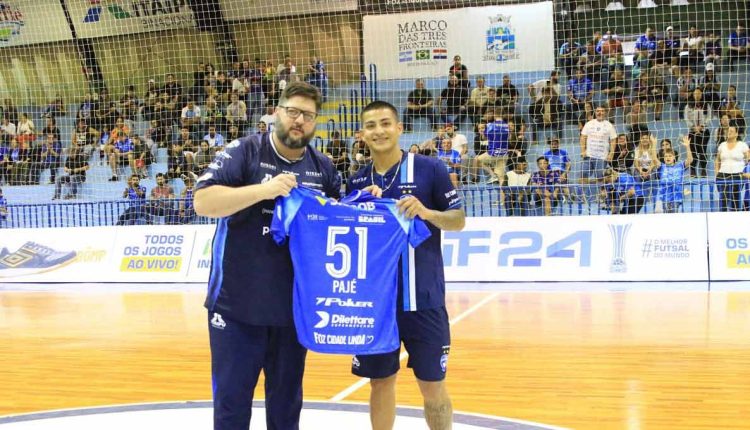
(411, 207)
(374, 190)
(280, 185)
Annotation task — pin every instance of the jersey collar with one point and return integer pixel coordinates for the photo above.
(272, 139)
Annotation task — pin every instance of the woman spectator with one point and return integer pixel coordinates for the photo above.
(460, 71)
(25, 132)
(645, 158)
(697, 116)
(721, 131)
(622, 156)
(729, 165)
(664, 146)
(637, 121)
(203, 158)
(20, 161)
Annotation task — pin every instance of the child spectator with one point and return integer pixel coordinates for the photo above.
(517, 195)
(622, 192)
(452, 160)
(547, 185)
(672, 177)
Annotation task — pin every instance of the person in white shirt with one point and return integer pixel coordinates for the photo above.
(516, 197)
(598, 138)
(535, 89)
(191, 116)
(731, 158)
(7, 131)
(459, 143)
(269, 119)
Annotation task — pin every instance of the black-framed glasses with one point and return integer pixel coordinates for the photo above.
(294, 113)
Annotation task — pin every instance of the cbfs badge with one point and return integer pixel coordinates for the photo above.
(500, 44)
(619, 233)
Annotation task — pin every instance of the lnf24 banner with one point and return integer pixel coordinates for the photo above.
(656, 247)
(495, 39)
(600, 248)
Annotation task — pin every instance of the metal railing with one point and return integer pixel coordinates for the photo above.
(570, 200)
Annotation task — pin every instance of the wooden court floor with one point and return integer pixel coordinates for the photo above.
(586, 360)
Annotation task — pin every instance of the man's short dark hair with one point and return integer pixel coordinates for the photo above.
(380, 104)
(301, 89)
(159, 175)
(538, 159)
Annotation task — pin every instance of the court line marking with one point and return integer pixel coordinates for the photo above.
(363, 381)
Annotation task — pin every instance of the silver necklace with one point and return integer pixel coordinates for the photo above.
(393, 179)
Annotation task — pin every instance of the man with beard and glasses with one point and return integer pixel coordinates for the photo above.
(249, 297)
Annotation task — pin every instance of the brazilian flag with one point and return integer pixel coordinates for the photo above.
(423, 54)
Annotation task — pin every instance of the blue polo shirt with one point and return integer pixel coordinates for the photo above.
(626, 181)
(580, 87)
(737, 40)
(421, 278)
(644, 43)
(251, 277)
(498, 134)
(449, 158)
(557, 159)
(136, 201)
(671, 181)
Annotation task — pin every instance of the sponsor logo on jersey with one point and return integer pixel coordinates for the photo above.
(371, 219)
(335, 301)
(338, 320)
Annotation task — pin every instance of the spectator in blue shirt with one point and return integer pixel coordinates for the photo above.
(546, 185)
(215, 140)
(569, 53)
(672, 176)
(121, 155)
(738, 44)
(746, 176)
(580, 91)
(451, 158)
(558, 159)
(622, 192)
(317, 75)
(498, 137)
(645, 45)
(136, 195)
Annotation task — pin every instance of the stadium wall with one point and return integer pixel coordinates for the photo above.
(684, 247)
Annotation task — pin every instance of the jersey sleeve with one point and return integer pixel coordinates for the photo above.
(418, 232)
(283, 214)
(228, 167)
(443, 194)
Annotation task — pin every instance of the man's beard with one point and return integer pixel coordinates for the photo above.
(282, 132)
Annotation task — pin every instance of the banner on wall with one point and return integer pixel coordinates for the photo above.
(108, 254)
(237, 10)
(25, 22)
(510, 249)
(601, 248)
(513, 38)
(95, 18)
(729, 246)
(392, 6)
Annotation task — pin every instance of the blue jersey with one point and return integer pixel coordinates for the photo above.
(251, 277)
(626, 181)
(3, 208)
(580, 88)
(557, 160)
(644, 43)
(737, 40)
(671, 180)
(345, 258)
(449, 158)
(421, 274)
(135, 199)
(498, 134)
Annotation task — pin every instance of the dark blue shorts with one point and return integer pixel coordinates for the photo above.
(426, 337)
(238, 354)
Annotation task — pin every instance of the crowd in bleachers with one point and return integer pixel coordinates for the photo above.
(608, 101)
(190, 124)
(487, 132)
